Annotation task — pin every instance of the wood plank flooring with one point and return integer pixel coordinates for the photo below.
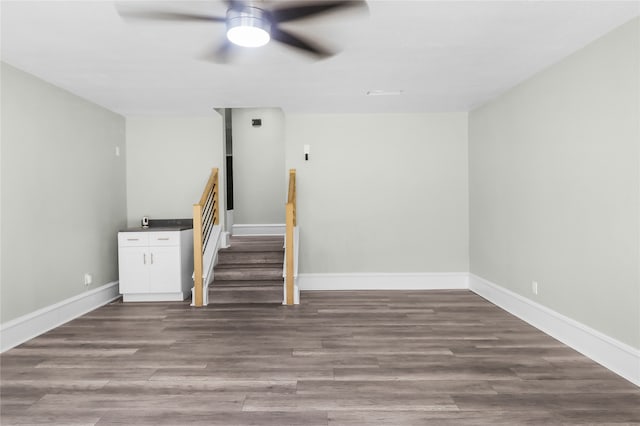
(340, 358)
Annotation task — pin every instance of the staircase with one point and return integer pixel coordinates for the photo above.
(249, 271)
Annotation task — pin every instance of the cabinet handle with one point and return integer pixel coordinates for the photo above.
(163, 239)
(133, 239)
(144, 258)
(152, 258)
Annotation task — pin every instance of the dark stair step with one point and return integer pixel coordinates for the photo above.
(246, 283)
(268, 243)
(248, 273)
(255, 247)
(228, 257)
(256, 238)
(271, 293)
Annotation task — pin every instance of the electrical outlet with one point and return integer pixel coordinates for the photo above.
(117, 151)
(534, 287)
(88, 279)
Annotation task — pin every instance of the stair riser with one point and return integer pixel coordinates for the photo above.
(254, 248)
(229, 284)
(245, 295)
(257, 239)
(247, 274)
(235, 258)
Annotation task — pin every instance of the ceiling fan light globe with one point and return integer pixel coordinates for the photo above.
(248, 36)
(249, 27)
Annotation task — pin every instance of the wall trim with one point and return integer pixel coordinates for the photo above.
(175, 296)
(26, 327)
(385, 281)
(259, 229)
(614, 355)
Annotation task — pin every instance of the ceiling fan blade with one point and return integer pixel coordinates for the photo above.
(169, 16)
(222, 55)
(298, 42)
(305, 10)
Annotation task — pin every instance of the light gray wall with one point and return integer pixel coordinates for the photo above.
(259, 187)
(63, 193)
(169, 162)
(554, 187)
(381, 192)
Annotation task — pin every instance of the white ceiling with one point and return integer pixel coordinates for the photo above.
(444, 55)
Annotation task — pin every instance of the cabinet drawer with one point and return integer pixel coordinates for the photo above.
(167, 238)
(133, 239)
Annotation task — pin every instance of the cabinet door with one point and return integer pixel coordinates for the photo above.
(164, 270)
(134, 272)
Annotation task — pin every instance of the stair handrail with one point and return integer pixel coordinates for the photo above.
(206, 214)
(291, 223)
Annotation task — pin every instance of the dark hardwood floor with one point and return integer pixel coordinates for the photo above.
(340, 358)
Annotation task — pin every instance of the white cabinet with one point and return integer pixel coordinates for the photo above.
(155, 265)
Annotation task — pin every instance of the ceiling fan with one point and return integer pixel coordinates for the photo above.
(251, 23)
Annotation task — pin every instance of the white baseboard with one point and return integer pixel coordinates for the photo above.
(205, 295)
(618, 357)
(384, 281)
(296, 294)
(226, 237)
(176, 296)
(210, 255)
(265, 229)
(229, 220)
(210, 260)
(21, 329)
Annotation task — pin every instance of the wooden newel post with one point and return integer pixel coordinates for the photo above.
(289, 237)
(289, 251)
(197, 254)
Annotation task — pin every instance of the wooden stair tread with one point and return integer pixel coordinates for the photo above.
(253, 258)
(248, 266)
(246, 283)
(253, 248)
(253, 238)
